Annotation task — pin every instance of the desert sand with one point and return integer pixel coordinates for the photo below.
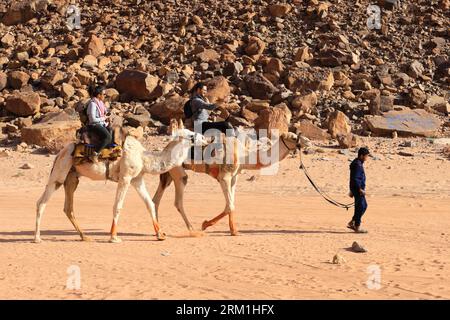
(288, 234)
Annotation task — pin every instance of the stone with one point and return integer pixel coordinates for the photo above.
(218, 90)
(208, 55)
(19, 12)
(111, 94)
(18, 79)
(140, 118)
(303, 54)
(311, 131)
(51, 135)
(27, 166)
(3, 80)
(67, 91)
(305, 103)
(279, 9)
(356, 247)
(415, 69)
(255, 46)
(94, 46)
(171, 108)
(347, 141)
(338, 259)
(338, 124)
(259, 86)
(276, 118)
(406, 122)
(416, 97)
(23, 104)
(7, 40)
(136, 84)
(308, 79)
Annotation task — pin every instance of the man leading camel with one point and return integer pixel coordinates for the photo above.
(358, 189)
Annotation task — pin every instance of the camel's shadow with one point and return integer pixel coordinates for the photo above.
(90, 233)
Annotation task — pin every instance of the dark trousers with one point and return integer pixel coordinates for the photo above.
(102, 134)
(222, 126)
(360, 207)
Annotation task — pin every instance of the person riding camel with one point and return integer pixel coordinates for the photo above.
(97, 115)
(201, 110)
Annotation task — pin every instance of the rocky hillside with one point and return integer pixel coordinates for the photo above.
(306, 65)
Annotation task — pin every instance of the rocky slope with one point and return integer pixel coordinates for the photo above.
(306, 65)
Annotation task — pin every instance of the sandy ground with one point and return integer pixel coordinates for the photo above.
(288, 234)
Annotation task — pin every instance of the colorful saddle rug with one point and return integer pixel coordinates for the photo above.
(85, 153)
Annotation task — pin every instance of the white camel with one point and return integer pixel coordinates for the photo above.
(130, 168)
(226, 175)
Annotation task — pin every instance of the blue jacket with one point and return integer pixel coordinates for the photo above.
(357, 175)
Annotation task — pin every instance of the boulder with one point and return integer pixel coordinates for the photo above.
(94, 46)
(208, 55)
(23, 104)
(276, 118)
(311, 131)
(3, 80)
(171, 108)
(279, 9)
(255, 46)
(308, 79)
(305, 103)
(140, 118)
(347, 141)
(338, 124)
(18, 79)
(136, 84)
(52, 135)
(19, 12)
(67, 91)
(406, 122)
(259, 86)
(218, 90)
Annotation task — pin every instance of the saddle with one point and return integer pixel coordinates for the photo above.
(84, 149)
(84, 152)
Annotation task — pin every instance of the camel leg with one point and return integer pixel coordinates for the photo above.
(40, 207)
(60, 170)
(122, 188)
(233, 229)
(139, 185)
(225, 183)
(70, 185)
(180, 185)
(164, 181)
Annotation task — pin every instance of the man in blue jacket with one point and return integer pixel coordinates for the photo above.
(358, 189)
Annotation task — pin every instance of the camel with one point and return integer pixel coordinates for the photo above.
(128, 169)
(226, 175)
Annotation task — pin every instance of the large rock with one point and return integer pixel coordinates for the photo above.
(311, 131)
(140, 118)
(18, 79)
(347, 141)
(276, 118)
(259, 86)
(255, 46)
(406, 122)
(136, 84)
(52, 135)
(218, 90)
(307, 79)
(24, 104)
(171, 108)
(94, 46)
(19, 12)
(279, 9)
(3, 81)
(338, 124)
(305, 103)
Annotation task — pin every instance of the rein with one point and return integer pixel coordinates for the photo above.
(323, 194)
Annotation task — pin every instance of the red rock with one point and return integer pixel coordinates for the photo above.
(276, 118)
(136, 84)
(18, 79)
(94, 46)
(311, 131)
(23, 104)
(171, 108)
(218, 90)
(338, 124)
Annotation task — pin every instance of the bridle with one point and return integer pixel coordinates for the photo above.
(287, 147)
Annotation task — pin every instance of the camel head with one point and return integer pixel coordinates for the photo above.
(293, 141)
(193, 138)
